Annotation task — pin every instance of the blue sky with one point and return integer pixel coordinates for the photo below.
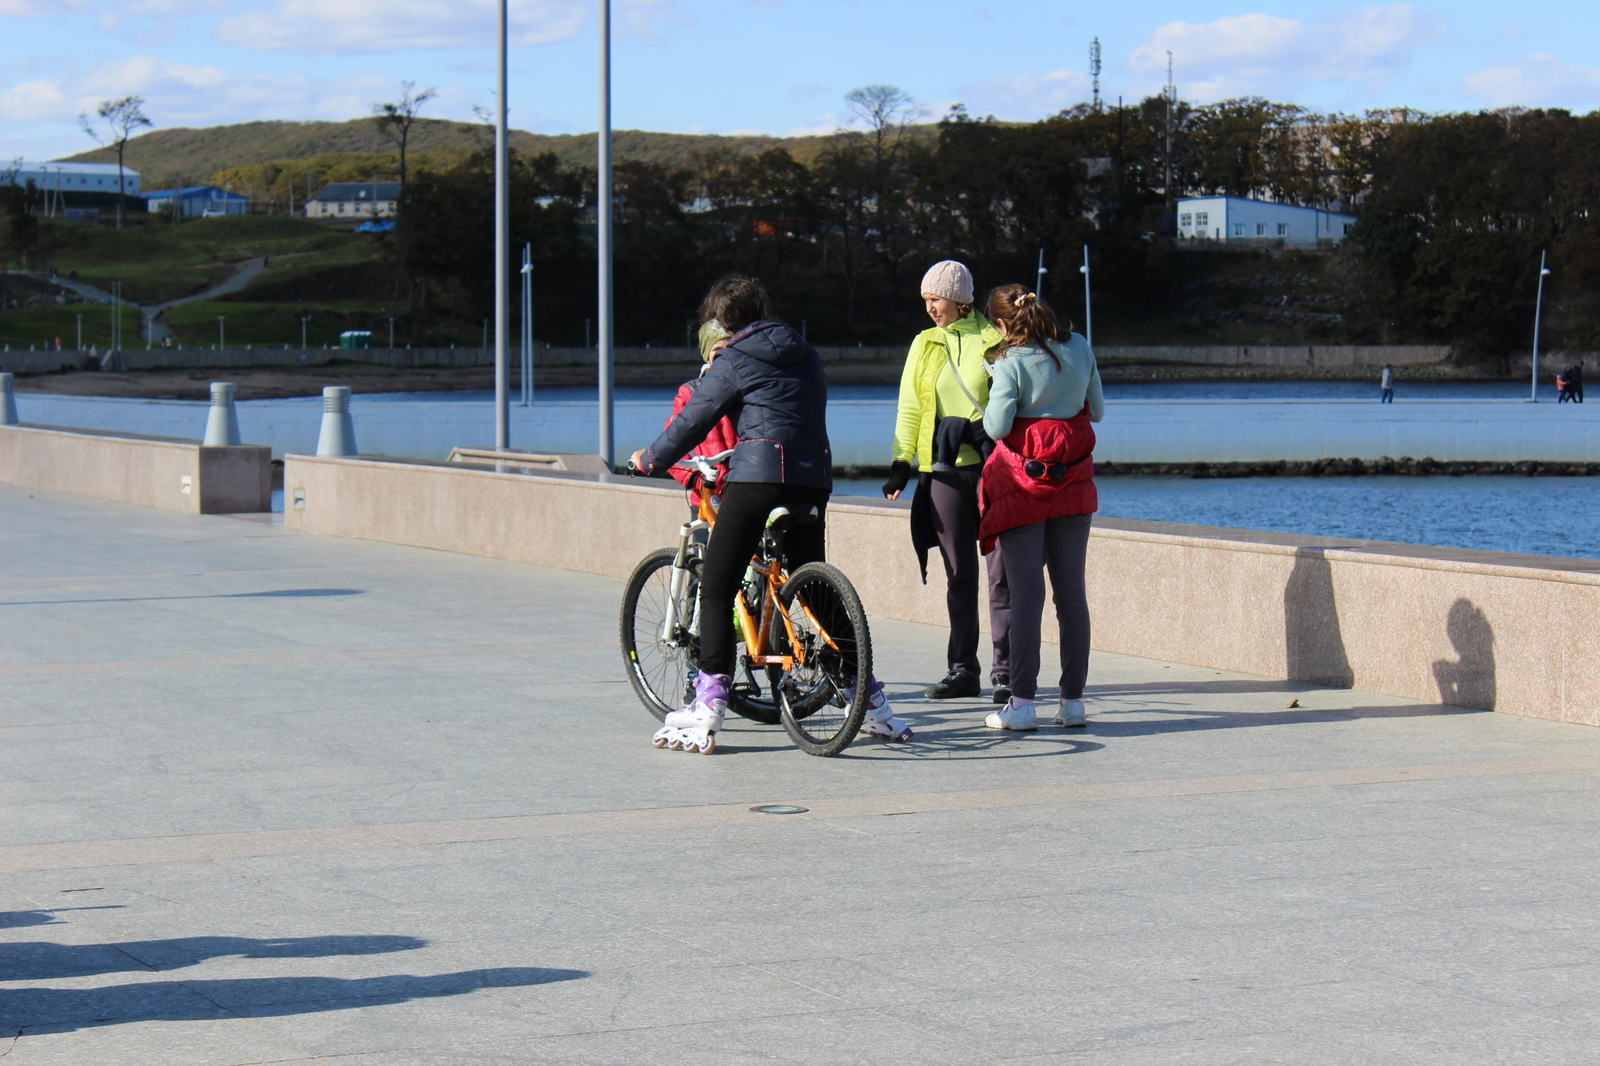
(774, 66)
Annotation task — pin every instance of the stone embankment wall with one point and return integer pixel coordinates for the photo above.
(174, 475)
(1472, 629)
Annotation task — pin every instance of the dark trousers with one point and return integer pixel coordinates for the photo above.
(734, 539)
(1058, 545)
(954, 495)
(1388, 396)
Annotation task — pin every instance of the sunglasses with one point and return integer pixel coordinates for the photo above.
(1039, 470)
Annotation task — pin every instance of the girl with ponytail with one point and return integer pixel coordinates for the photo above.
(1037, 492)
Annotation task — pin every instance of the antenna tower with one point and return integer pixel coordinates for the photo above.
(1094, 71)
(1171, 94)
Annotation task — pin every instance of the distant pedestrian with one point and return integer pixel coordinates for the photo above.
(1563, 384)
(1387, 384)
(1575, 382)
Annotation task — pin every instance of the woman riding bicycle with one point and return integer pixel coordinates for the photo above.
(770, 383)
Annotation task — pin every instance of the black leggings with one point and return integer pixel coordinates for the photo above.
(740, 521)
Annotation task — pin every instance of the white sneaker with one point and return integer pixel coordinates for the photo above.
(1016, 714)
(1071, 714)
(880, 720)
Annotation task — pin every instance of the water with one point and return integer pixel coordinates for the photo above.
(1553, 516)
(1165, 390)
(1533, 515)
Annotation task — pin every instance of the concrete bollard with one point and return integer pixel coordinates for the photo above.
(338, 436)
(222, 420)
(8, 401)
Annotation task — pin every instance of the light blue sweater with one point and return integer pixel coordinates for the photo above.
(1026, 384)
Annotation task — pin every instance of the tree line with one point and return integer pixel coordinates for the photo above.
(1453, 211)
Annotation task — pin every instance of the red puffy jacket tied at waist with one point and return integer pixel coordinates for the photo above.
(1009, 499)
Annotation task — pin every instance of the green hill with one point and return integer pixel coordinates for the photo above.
(169, 158)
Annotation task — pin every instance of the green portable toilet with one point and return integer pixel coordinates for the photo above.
(355, 338)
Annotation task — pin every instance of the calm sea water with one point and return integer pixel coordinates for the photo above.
(1544, 516)
(1537, 515)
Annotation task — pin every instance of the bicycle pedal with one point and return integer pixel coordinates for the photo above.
(744, 690)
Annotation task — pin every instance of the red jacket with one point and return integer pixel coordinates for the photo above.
(721, 438)
(1009, 499)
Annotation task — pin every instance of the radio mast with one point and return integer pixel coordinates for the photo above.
(1094, 71)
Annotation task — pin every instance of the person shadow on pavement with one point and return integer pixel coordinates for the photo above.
(1470, 680)
(29, 1011)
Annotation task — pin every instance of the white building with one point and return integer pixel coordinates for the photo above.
(355, 199)
(70, 177)
(1235, 218)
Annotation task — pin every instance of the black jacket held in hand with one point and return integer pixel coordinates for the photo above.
(769, 382)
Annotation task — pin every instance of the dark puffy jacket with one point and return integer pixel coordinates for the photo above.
(769, 382)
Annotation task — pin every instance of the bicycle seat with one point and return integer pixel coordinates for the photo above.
(782, 518)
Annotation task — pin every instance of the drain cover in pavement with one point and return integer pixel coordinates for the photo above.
(778, 808)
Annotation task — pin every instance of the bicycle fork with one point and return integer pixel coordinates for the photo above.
(679, 582)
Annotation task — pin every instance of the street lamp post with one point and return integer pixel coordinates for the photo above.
(1538, 306)
(527, 325)
(222, 336)
(603, 206)
(1088, 310)
(502, 244)
(303, 320)
(1038, 283)
(391, 333)
(80, 331)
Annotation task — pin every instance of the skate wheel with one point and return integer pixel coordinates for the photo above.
(707, 746)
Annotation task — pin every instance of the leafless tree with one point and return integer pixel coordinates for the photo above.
(120, 117)
(394, 120)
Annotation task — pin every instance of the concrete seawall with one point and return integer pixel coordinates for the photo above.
(1476, 629)
(174, 475)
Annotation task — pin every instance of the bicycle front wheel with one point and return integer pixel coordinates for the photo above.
(823, 700)
(658, 661)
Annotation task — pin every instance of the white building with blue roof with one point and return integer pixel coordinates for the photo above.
(1238, 219)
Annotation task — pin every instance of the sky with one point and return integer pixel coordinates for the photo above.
(769, 66)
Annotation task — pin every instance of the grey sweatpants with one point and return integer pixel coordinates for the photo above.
(1058, 545)
(954, 496)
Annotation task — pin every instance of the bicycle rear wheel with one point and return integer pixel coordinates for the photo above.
(658, 663)
(823, 700)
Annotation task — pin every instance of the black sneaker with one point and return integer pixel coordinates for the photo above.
(1002, 688)
(956, 685)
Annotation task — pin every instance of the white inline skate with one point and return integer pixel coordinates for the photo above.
(880, 720)
(694, 728)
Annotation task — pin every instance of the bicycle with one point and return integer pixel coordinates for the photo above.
(804, 634)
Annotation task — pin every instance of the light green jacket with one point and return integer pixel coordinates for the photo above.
(929, 392)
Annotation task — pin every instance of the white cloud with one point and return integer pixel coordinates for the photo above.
(1026, 96)
(343, 27)
(347, 27)
(1269, 55)
(817, 127)
(17, 9)
(1539, 80)
(178, 94)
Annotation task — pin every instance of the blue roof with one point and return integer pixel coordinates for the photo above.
(193, 192)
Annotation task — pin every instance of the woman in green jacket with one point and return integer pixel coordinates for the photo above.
(939, 433)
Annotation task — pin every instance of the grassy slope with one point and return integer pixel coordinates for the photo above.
(158, 262)
(175, 157)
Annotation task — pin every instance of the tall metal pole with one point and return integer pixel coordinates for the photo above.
(502, 249)
(1088, 309)
(1038, 282)
(603, 216)
(1538, 306)
(527, 325)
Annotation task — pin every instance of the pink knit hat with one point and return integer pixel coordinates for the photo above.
(949, 279)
